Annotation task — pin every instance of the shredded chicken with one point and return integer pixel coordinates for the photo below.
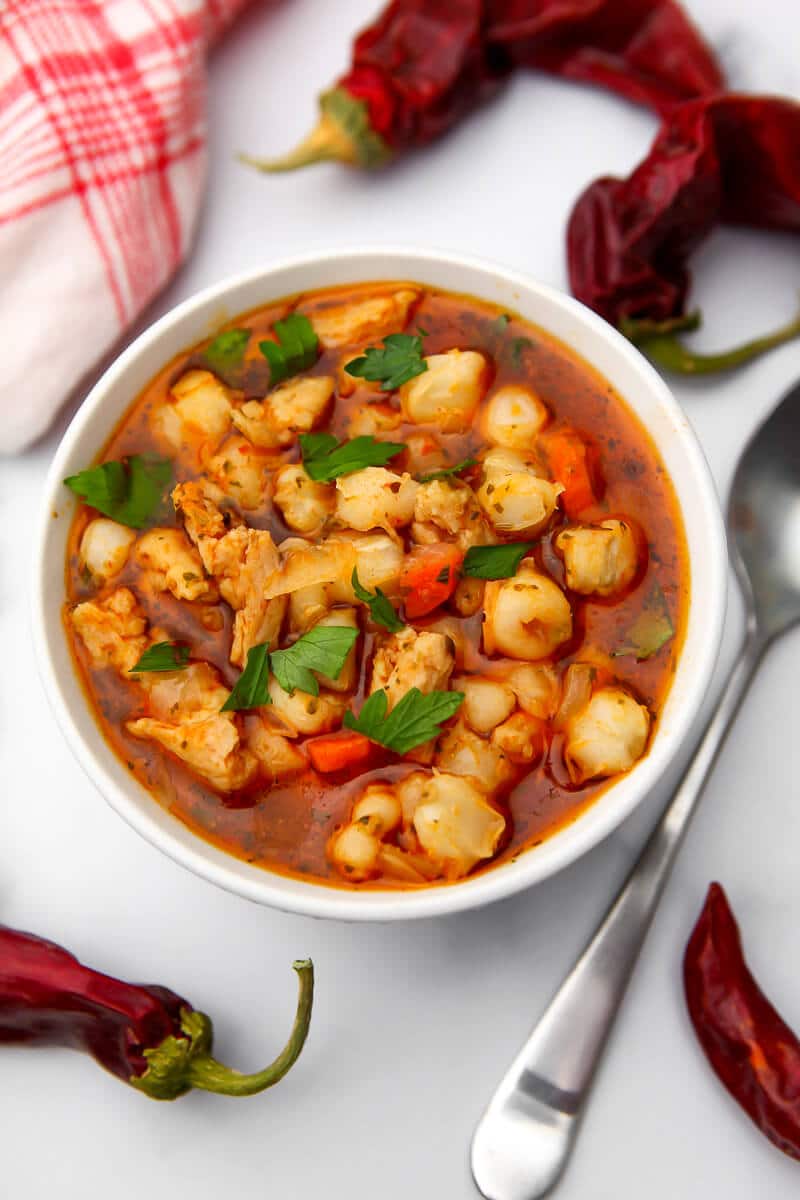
(174, 565)
(408, 660)
(113, 630)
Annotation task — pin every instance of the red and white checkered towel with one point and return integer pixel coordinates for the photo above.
(102, 165)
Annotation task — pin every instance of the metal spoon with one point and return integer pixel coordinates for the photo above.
(525, 1137)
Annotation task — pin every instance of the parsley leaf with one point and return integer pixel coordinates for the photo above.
(447, 472)
(399, 360)
(226, 352)
(414, 720)
(129, 491)
(163, 656)
(380, 606)
(494, 562)
(251, 689)
(295, 350)
(324, 648)
(325, 459)
(651, 630)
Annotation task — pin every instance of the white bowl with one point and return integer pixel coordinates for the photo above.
(614, 357)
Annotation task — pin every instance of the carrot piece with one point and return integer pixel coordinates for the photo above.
(429, 577)
(572, 463)
(338, 751)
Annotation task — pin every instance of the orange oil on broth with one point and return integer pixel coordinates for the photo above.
(285, 828)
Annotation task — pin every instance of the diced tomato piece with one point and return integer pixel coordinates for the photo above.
(573, 463)
(338, 751)
(429, 577)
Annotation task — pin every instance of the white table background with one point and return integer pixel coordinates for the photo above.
(415, 1022)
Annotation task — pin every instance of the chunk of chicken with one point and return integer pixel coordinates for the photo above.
(408, 660)
(487, 702)
(277, 756)
(304, 566)
(242, 561)
(448, 506)
(424, 453)
(292, 408)
(375, 498)
(239, 471)
(461, 751)
(607, 736)
(202, 408)
(455, 824)
(448, 393)
(308, 605)
(527, 616)
(514, 497)
(187, 721)
(114, 630)
(599, 559)
(514, 416)
(355, 322)
(174, 565)
(104, 549)
(304, 505)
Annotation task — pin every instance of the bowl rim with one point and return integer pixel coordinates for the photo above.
(316, 898)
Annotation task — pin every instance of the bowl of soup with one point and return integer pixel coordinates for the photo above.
(378, 584)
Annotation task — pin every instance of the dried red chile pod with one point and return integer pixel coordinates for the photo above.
(750, 1047)
(143, 1034)
(727, 159)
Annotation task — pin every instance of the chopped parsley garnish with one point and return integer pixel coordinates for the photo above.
(226, 352)
(251, 689)
(163, 656)
(324, 648)
(651, 630)
(325, 459)
(448, 472)
(399, 360)
(494, 562)
(295, 350)
(130, 491)
(414, 720)
(380, 606)
(499, 323)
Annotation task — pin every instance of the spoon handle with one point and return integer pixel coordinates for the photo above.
(545, 1088)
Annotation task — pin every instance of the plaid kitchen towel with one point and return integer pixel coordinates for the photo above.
(102, 164)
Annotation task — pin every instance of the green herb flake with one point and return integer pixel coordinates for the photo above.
(518, 347)
(251, 689)
(494, 562)
(449, 472)
(399, 360)
(324, 648)
(162, 656)
(414, 720)
(326, 459)
(295, 350)
(651, 630)
(130, 491)
(226, 353)
(380, 606)
(500, 323)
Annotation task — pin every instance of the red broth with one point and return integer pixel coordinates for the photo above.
(287, 827)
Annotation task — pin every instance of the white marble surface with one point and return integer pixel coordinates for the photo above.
(413, 1023)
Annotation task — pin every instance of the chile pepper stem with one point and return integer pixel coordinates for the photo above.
(183, 1060)
(327, 142)
(660, 343)
(211, 1076)
(342, 134)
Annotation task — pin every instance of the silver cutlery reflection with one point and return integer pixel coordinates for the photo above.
(525, 1137)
